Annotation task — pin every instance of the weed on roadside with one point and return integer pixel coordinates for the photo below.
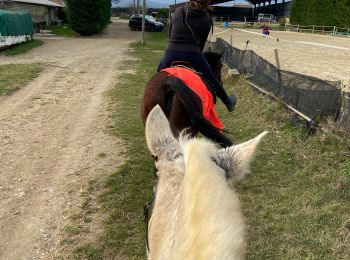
(21, 48)
(15, 76)
(64, 30)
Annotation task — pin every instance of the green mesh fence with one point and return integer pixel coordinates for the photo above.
(15, 23)
(311, 96)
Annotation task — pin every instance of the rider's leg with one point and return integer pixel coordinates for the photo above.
(202, 65)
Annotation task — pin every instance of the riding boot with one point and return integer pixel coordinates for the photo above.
(231, 103)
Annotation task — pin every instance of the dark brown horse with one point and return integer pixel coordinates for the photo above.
(181, 105)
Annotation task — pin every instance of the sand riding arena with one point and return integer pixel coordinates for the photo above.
(323, 57)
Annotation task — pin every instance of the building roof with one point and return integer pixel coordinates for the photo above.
(40, 2)
(214, 2)
(253, 2)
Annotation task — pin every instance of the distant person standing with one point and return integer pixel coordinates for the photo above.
(188, 32)
(266, 30)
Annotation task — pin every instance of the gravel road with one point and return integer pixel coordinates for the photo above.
(52, 132)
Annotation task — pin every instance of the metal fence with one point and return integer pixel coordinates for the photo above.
(326, 30)
(226, 21)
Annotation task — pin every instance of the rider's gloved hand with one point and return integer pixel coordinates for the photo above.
(231, 103)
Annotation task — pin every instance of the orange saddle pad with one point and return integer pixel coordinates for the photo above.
(195, 83)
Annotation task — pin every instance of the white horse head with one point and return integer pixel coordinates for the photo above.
(196, 214)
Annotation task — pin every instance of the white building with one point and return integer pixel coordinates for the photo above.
(43, 11)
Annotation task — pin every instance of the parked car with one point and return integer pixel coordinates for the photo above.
(151, 24)
(266, 18)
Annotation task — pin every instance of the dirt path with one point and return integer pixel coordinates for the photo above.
(51, 135)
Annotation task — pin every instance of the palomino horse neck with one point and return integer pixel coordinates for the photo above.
(196, 214)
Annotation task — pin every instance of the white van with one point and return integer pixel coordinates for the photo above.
(266, 18)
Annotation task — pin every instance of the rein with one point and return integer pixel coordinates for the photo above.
(146, 211)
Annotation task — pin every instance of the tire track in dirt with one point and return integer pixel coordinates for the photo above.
(51, 134)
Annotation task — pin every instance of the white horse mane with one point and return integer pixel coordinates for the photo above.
(196, 214)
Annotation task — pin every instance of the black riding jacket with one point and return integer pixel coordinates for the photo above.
(189, 30)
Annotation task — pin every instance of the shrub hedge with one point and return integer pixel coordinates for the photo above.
(321, 12)
(88, 17)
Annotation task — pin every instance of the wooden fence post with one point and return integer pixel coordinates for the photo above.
(313, 28)
(334, 30)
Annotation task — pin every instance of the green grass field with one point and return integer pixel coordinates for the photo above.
(21, 48)
(65, 30)
(296, 201)
(15, 76)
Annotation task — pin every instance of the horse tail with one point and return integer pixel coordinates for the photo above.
(193, 106)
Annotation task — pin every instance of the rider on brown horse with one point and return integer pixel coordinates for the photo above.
(188, 32)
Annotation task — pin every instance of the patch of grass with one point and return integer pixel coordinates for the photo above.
(87, 251)
(296, 201)
(15, 76)
(75, 230)
(21, 48)
(76, 216)
(82, 226)
(64, 30)
(131, 186)
(102, 155)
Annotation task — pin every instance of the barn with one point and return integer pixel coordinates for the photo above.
(278, 8)
(42, 11)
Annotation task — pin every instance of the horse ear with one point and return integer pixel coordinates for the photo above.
(159, 138)
(236, 159)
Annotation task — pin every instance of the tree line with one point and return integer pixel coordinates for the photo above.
(88, 17)
(127, 11)
(321, 12)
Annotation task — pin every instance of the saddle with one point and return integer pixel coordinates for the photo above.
(188, 65)
(181, 63)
